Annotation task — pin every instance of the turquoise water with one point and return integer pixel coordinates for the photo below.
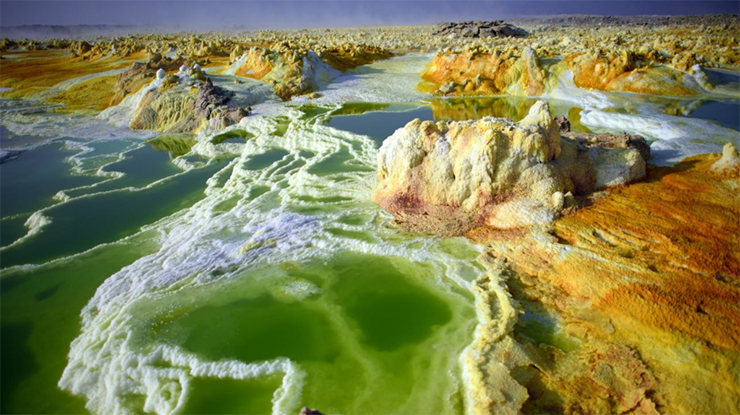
(140, 167)
(11, 229)
(380, 124)
(107, 217)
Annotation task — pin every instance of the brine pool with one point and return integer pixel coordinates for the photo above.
(254, 275)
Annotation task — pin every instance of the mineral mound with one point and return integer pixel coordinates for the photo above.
(477, 28)
(178, 104)
(447, 178)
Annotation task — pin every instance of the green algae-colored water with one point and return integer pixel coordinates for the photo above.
(359, 327)
(368, 327)
(40, 318)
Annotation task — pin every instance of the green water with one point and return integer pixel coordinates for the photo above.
(30, 182)
(232, 136)
(230, 396)
(107, 217)
(40, 318)
(369, 333)
(266, 159)
(338, 162)
(381, 121)
(368, 326)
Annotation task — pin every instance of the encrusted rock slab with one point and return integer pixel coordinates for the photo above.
(477, 28)
(178, 109)
(440, 176)
(614, 167)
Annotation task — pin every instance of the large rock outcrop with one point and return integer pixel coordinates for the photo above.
(477, 28)
(140, 74)
(294, 69)
(474, 72)
(450, 177)
(624, 73)
(177, 109)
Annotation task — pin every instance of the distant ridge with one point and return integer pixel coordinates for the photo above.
(69, 31)
(584, 19)
(39, 32)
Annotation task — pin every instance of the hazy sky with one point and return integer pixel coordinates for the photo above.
(217, 14)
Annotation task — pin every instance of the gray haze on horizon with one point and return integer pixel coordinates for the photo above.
(229, 15)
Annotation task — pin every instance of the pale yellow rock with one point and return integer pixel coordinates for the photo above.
(488, 361)
(166, 112)
(617, 166)
(730, 161)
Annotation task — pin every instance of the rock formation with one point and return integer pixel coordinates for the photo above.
(448, 178)
(298, 69)
(729, 164)
(477, 28)
(177, 109)
(7, 44)
(476, 71)
(622, 73)
(473, 72)
(140, 74)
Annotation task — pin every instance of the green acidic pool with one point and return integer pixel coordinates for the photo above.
(366, 332)
(372, 333)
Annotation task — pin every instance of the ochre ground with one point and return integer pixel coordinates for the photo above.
(647, 279)
(37, 71)
(91, 95)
